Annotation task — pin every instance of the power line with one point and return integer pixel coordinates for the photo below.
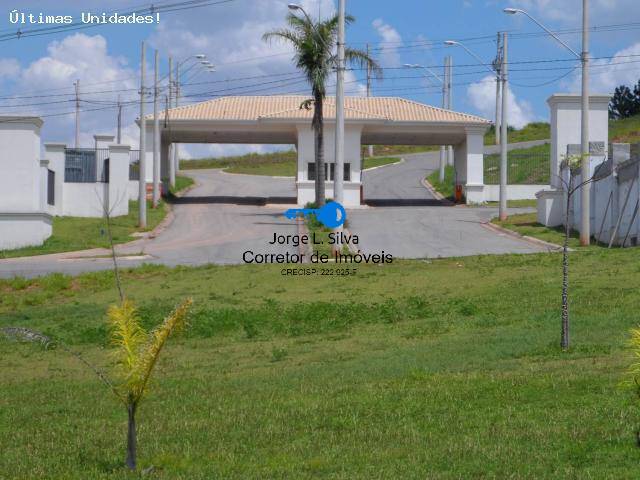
(151, 10)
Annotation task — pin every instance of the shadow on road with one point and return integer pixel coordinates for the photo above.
(257, 201)
(407, 202)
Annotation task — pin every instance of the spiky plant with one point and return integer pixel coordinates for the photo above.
(137, 353)
(632, 379)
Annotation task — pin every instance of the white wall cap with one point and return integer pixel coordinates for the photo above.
(115, 147)
(55, 146)
(37, 121)
(577, 98)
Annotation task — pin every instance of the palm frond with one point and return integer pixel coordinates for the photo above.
(127, 334)
(175, 322)
(283, 34)
(633, 373)
(363, 60)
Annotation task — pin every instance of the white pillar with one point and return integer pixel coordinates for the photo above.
(474, 182)
(118, 197)
(565, 126)
(54, 152)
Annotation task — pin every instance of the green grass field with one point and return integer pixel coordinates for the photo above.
(531, 131)
(525, 166)
(182, 183)
(74, 233)
(625, 131)
(279, 164)
(441, 369)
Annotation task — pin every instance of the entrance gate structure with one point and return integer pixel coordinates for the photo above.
(280, 119)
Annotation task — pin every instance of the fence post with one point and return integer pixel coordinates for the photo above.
(118, 197)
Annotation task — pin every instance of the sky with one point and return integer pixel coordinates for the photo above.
(37, 72)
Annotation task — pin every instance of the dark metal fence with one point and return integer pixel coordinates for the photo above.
(134, 165)
(51, 187)
(86, 165)
(522, 168)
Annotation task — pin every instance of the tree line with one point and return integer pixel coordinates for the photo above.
(625, 102)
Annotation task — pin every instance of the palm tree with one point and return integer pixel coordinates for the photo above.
(137, 354)
(313, 44)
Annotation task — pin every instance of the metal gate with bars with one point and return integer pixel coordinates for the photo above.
(86, 165)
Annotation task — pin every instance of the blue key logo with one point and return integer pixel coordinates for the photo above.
(332, 215)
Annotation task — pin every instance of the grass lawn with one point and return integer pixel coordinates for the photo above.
(515, 203)
(182, 183)
(626, 130)
(446, 187)
(279, 164)
(531, 131)
(441, 369)
(75, 233)
(525, 166)
(527, 224)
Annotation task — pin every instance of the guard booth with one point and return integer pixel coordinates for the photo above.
(279, 119)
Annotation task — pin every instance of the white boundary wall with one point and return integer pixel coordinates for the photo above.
(514, 192)
(24, 217)
(90, 199)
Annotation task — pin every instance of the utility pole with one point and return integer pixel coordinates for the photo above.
(585, 210)
(142, 180)
(504, 69)
(338, 179)
(172, 165)
(449, 81)
(369, 92)
(338, 175)
(119, 137)
(496, 65)
(77, 85)
(445, 99)
(156, 137)
(176, 155)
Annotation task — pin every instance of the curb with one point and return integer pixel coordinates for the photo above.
(436, 194)
(402, 160)
(170, 217)
(536, 241)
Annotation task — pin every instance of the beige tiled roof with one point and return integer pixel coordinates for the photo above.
(285, 107)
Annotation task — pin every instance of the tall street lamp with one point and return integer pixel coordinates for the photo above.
(201, 57)
(585, 220)
(493, 69)
(501, 119)
(444, 106)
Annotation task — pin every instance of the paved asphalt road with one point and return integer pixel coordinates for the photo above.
(401, 182)
(201, 232)
(208, 229)
(431, 230)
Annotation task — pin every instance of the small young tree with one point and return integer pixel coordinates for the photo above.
(136, 351)
(633, 373)
(572, 163)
